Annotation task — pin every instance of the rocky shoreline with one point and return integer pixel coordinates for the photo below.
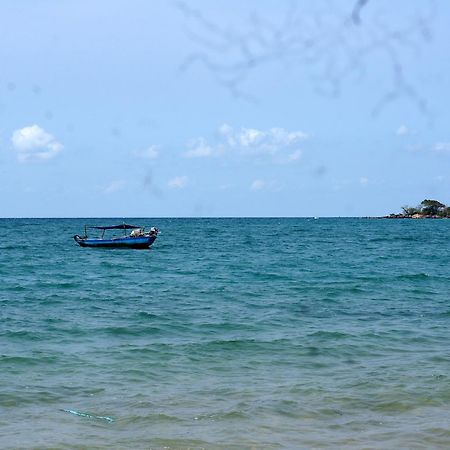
(414, 216)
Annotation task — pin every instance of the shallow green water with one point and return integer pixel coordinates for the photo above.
(227, 334)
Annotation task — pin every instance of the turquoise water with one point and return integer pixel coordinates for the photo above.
(227, 334)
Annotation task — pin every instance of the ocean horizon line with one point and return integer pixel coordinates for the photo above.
(188, 217)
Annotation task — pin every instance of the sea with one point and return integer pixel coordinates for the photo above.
(228, 333)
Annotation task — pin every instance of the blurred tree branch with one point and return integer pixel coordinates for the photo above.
(359, 5)
(332, 45)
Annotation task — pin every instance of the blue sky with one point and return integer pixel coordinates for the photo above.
(291, 108)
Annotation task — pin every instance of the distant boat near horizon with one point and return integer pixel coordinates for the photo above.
(137, 239)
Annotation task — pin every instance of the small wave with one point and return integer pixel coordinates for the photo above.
(152, 418)
(16, 288)
(129, 331)
(231, 344)
(23, 335)
(397, 406)
(148, 315)
(330, 335)
(54, 284)
(27, 360)
(23, 398)
(8, 247)
(413, 276)
(225, 415)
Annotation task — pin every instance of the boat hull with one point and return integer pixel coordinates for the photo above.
(139, 242)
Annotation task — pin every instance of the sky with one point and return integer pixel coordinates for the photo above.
(218, 109)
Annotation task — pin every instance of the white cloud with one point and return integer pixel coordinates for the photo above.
(199, 149)
(442, 147)
(267, 142)
(114, 186)
(283, 137)
(295, 155)
(32, 143)
(364, 181)
(403, 130)
(178, 182)
(151, 152)
(250, 142)
(227, 133)
(257, 185)
(225, 129)
(248, 137)
(270, 185)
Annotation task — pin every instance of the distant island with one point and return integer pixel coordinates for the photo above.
(428, 209)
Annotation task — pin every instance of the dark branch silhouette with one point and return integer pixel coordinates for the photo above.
(359, 5)
(333, 46)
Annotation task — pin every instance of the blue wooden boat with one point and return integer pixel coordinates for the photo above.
(138, 238)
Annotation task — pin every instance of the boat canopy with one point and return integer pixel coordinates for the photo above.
(124, 226)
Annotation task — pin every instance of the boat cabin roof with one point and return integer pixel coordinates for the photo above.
(124, 226)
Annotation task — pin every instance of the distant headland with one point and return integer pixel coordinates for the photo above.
(428, 209)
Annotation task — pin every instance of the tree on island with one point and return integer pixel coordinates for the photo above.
(431, 207)
(409, 210)
(427, 208)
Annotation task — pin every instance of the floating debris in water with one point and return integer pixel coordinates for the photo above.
(89, 416)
